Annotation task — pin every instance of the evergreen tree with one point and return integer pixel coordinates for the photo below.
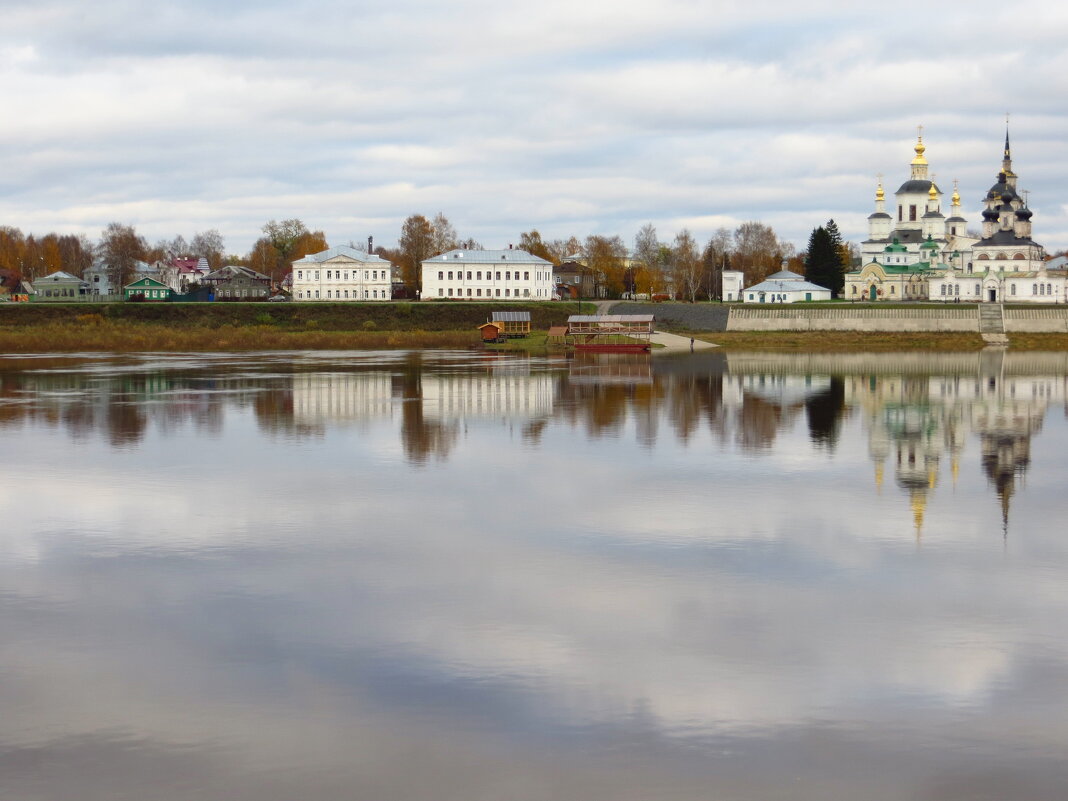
(823, 264)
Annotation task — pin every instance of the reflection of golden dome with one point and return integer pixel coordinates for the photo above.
(920, 149)
(918, 502)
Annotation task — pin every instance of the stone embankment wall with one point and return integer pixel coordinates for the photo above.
(1036, 321)
(684, 316)
(849, 318)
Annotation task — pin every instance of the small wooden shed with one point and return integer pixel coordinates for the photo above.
(491, 332)
(513, 323)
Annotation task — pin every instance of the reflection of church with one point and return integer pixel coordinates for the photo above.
(917, 422)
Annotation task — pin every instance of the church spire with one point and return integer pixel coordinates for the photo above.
(1006, 159)
(919, 163)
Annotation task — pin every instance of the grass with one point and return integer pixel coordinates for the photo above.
(134, 337)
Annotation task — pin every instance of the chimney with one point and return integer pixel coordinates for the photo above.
(509, 245)
(370, 246)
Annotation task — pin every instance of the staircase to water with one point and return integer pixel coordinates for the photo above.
(992, 324)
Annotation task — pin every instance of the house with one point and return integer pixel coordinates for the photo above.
(342, 273)
(878, 281)
(98, 279)
(186, 272)
(491, 332)
(784, 286)
(487, 275)
(233, 282)
(59, 287)
(575, 280)
(147, 289)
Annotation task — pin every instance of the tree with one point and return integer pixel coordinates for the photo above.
(416, 245)
(560, 250)
(283, 235)
(647, 256)
(606, 257)
(532, 243)
(842, 248)
(756, 251)
(823, 264)
(686, 263)
(443, 236)
(121, 248)
(208, 245)
(716, 259)
(265, 258)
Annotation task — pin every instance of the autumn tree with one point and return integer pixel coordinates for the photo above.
(532, 243)
(606, 258)
(416, 245)
(560, 250)
(686, 264)
(756, 251)
(121, 248)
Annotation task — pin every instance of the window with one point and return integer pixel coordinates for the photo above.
(507, 276)
(316, 275)
(327, 275)
(346, 294)
(498, 293)
(506, 293)
(450, 275)
(479, 275)
(469, 292)
(300, 275)
(300, 295)
(441, 292)
(900, 212)
(526, 275)
(1034, 289)
(1013, 289)
(526, 293)
(316, 294)
(468, 275)
(328, 293)
(943, 288)
(478, 293)
(912, 213)
(498, 276)
(956, 289)
(441, 275)
(892, 289)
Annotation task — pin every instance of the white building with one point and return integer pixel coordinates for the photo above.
(732, 283)
(487, 275)
(342, 273)
(784, 287)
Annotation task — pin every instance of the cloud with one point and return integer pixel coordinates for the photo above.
(698, 113)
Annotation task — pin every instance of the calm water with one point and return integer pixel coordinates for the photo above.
(453, 576)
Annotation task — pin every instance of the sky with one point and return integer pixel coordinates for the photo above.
(572, 118)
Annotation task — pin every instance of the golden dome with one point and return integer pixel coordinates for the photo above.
(920, 149)
(932, 192)
(956, 197)
(879, 193)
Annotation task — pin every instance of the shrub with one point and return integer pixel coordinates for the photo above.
(369, 325)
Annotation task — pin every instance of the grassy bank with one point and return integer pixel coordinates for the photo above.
(321, 316)
(125, 337)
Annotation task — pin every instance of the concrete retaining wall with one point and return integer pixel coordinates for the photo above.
(1036, 321)
(848, 318)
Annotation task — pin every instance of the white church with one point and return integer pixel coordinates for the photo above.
(918, 253)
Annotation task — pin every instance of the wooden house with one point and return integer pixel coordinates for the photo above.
(491, 332)
(148, 289)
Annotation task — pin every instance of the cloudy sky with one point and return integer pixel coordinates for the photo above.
(572, 118)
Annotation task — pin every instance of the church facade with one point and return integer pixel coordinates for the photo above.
(919, 253)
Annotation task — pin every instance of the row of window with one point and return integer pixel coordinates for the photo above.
(242, 293)
(343, 275)
(540, 276)
(477, 293)
(1036, 289)
(343, 294)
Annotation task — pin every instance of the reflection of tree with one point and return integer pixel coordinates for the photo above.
(125, 423)
(758, 422)
(824, 411)
(420, 438)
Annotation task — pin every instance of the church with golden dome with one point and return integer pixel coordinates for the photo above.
(919, 253)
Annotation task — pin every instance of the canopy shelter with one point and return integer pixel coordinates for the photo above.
(513, 323)
(617, 332)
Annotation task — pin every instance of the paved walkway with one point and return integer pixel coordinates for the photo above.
(674, 343)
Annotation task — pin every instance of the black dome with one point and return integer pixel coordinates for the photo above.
(990, 214)
(1024, 213)
(915, 185)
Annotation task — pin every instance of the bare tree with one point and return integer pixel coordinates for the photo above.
(647, 255)
(121, 248)
(686, 261)
(443, 236)
(208, 245)
(757, 251)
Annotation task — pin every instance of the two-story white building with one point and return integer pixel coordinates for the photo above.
(342, 273)
(487, 275)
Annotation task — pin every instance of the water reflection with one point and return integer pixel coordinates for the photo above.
(456, 575)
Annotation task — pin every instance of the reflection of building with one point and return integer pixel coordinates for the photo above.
(915, 421)
(341, 398)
